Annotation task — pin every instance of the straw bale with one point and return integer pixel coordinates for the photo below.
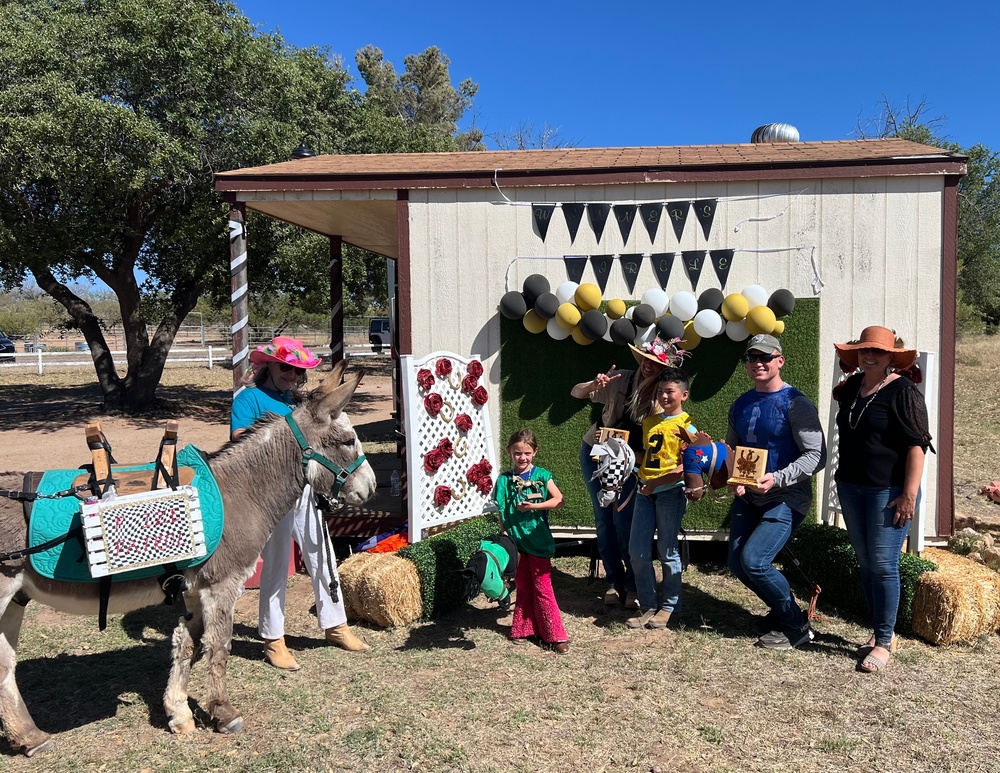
(957, 603)
(381, 588)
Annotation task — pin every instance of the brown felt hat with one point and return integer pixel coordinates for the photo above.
(876, 337)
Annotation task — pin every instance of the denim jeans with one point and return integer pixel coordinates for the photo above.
(756, 536)
(613, 526)
(661, 513)
(878, 542)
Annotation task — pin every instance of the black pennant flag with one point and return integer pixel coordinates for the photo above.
(650, 216)
(542, 213)
(630, 269)
(597, 214)
(677, 211)
(625, 215)
(602, 267)
(662, 263)
(694, 262)
(575, 264)
(705, 210)
(573, 213)
(722, 261)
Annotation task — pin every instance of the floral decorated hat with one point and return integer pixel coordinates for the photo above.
(287, 351)
(664, 353)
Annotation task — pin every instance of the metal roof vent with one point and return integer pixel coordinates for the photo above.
(775, 132)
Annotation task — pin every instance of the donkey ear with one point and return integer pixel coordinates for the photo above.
(331, 396)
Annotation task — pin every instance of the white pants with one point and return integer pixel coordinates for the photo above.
(303, 523)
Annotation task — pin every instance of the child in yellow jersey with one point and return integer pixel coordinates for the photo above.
(660, 503)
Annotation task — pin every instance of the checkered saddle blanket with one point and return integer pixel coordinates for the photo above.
(615, 463)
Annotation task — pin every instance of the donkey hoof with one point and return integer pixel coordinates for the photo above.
(44, 746)
(182, 727)
(232, 726)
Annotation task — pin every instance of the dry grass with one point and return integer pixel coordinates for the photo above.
(977, 428)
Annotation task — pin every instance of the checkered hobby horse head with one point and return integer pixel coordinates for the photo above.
(615, 462)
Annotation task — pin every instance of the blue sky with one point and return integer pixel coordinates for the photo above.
(620, 74)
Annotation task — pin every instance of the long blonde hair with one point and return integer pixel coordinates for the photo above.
(642, 397)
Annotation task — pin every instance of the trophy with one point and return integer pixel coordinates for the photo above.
(749, 465)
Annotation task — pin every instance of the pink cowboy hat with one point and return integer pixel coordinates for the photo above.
(287, 351)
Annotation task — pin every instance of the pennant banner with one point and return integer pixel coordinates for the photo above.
(542, 214)
(662, 263)
(722, 261)
(630, 269)
(677, 211)
(602, 268)
(625, 215)
(650, 216)
(694, 262)
(573, 213)
(575, 264)
(705, 210)
(597, 214)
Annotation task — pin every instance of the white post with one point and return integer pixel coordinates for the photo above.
(210, 357)
(38, 353)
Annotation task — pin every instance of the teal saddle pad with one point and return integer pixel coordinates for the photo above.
(53, 518)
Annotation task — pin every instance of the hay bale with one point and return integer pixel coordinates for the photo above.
(381, 588)
(957, 603)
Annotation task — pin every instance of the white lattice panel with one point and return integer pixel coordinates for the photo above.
(832, 513)
(426, 431)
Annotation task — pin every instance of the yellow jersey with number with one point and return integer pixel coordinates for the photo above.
(662, 444)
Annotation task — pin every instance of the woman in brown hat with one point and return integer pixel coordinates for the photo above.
(884, 435)
(279, 371)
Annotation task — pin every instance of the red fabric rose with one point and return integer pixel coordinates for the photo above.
(445, 448)
(433, 460)
(425, 379)
(442, 496)
(443, 367)
(475, 369)
(480, 472)
(469, 384)
(464, 422)
(485, 484)
(433, 403)
(480, 396)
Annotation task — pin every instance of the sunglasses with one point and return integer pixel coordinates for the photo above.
(284, 367)
(758, 357)
(870, 350)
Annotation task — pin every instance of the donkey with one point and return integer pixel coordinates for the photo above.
(260, 476)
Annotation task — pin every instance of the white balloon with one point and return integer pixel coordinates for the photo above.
(656, 298)
(684, 305)
(737, 330)
(645, 335)
(629, 312)
(708, 323)
(555, 330)
(566, 292)
(755, 295)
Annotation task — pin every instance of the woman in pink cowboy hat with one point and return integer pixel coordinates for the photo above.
(882, 423)
(279, 371)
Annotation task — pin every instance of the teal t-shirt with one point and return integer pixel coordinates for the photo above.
(529, 529)
(253, 403)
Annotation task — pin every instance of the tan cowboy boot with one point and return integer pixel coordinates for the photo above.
(277, 654)
(342, 636)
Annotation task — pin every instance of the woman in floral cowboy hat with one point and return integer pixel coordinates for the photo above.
(882, 423)
(279, 371)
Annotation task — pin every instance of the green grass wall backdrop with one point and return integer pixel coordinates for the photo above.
(537, 373)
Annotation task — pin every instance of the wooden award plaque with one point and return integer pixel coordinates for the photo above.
(603, 433)
(749, 465)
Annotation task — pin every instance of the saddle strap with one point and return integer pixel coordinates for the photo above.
(30, 551)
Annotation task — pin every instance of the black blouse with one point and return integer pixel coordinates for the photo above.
(873, 453)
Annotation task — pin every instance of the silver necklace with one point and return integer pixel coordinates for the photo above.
(851, 421)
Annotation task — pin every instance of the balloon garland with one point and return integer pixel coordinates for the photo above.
(573, 311)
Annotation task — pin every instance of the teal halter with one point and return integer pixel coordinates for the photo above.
(309, 454)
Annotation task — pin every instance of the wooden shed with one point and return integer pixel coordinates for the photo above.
(869, 227)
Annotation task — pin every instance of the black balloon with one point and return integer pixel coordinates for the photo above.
(781, 302)
(670, 327)
(643, 316)
(623, 331)
(712, 299)
(546, 305)
(512, 305)
(534, 285)
(593, 324)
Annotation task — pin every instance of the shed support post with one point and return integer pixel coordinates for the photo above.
(239, 291)
(336, 299)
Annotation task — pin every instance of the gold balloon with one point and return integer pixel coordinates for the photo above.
(588, 296)
(568, 315)
(760, 319)
(735, 307)
(580, 338)
(616, 309)
(533, 323)
(691, 337)
(779, 327)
